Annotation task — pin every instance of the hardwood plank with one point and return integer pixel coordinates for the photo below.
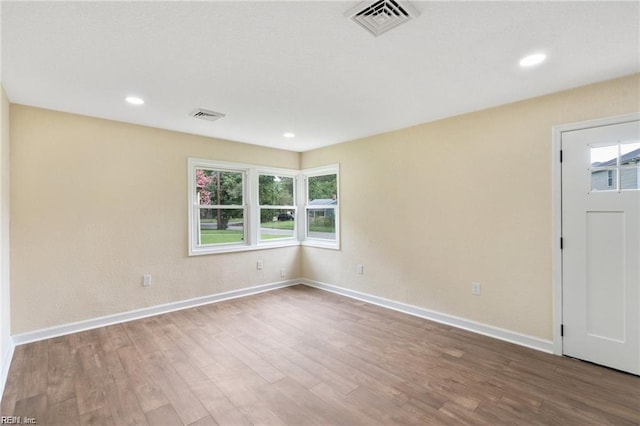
(335, 399)
(291, 411)
(264, 349)
(183, 400)
(251, 359)
(63, 413)
(186, 344)
(202, 320)
(99, 417)
(148, 393)
(106, 352)
(164, 416)
(382, 407)
(123, 405)
(81, 339)
(35, 372)
(33, 407)
(91, 380)
(353, 375)
(141, 336)
(118, 335)
(221, 409)
(61, 371)
(205, 421)
(244, 392)
(322, 412)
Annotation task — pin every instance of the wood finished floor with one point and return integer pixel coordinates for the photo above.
(301, 356)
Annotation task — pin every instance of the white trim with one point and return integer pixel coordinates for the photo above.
(556, 208)
(257, 214)
(231, 248)
(556, 234)
(303, 206)
(194, 207)
(322, 170)
(465, 324)
(61, 330)
(252, 208)
(4, 368)
(320, 243)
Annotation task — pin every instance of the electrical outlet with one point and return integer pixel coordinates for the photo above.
(283, 273)
(475, 288)
(360, 268)
(146, 280)
(259, 265)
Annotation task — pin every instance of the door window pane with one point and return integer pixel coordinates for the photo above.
(603, 156)
(630, 178)
(604, 180)
(615, 167)
(629, 153)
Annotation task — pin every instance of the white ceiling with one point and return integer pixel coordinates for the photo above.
(302, 66)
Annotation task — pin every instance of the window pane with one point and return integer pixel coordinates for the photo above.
(604, 180)
(275, 190)
(323, 189)
(276, 223)
(603, 156)
(321, 223)
(630, 178)
(629, 153)
(203, 186)
(216, 187)
(220, 226)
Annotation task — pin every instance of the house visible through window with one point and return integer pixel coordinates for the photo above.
(322, 224)
(615, 167)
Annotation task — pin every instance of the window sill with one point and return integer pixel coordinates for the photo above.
(200, 251)
(331, 245)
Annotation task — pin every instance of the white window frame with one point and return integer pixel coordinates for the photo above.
(251, 206)
(303, 188)
(279, 242)
(195, 248)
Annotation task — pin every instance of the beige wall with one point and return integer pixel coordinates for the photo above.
(5, 317)
(96, 204)
(429, 209)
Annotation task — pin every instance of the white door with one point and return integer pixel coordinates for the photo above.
(601, 245)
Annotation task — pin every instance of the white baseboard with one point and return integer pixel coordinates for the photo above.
(476, 327)
(61, 330)
(6, 363)
(465, 324)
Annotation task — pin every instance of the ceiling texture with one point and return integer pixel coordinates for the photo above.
(303, 66)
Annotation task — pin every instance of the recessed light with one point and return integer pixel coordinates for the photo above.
(134, 100)
(531, 60)
(289, 135)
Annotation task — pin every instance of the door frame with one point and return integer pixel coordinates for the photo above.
(556, 206)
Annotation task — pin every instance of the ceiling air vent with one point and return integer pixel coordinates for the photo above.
(206, 114)
(380, 16)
